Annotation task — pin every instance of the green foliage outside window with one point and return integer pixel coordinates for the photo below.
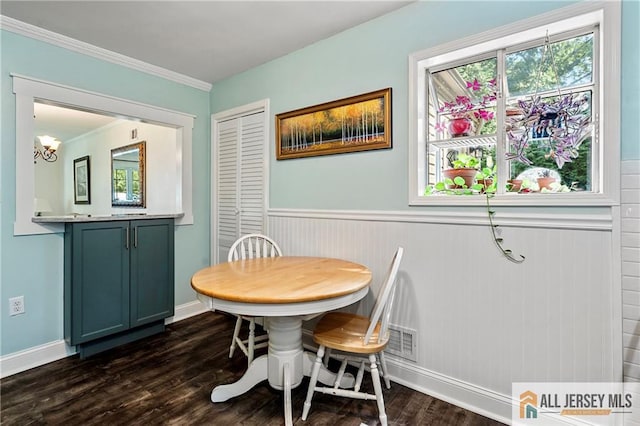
(135, 184)
(573, 59)
(120, 180)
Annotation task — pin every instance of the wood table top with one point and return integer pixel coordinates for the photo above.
(284, 279)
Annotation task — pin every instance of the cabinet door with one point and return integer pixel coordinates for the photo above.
(152, 270)
(98, 281)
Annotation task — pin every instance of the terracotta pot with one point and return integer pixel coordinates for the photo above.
(460, 126)
(469, 176)
(486, 183)
(515, 185)
(544, 182)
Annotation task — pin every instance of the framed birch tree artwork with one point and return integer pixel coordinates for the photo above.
(358, 123)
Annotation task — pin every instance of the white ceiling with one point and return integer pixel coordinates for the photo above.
(205, 40)
(65, 123)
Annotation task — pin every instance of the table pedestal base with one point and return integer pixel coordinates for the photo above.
(284, 366)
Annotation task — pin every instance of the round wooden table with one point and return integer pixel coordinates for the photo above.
(287, 290)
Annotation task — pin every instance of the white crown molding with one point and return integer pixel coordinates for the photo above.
(69, 43)
(463, 216)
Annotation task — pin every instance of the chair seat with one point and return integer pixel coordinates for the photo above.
(363, 338)
(345, 332)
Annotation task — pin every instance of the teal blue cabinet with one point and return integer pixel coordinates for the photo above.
(119, 281)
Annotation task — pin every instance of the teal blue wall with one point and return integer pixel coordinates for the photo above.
(374, 56)
(369, 57)
(32, 265)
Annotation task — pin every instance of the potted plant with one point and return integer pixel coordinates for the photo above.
(465, 167)
(545, 180)
(468, 114)
(485, 178)
(564, 121)
(514, 185)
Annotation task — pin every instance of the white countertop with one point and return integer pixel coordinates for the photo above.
(101, 217)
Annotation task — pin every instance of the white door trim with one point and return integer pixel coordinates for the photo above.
(237, 112)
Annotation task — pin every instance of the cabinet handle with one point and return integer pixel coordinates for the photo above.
(126, 241)
(135, 237)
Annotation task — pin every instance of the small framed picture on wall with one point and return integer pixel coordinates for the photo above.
(81, 181)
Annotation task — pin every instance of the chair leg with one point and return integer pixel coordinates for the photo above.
(312, 382)
(385, 372)
(375, 377)
(252, 340)
(236, 333)
(327, 355)
(359, 377)
(340, 374)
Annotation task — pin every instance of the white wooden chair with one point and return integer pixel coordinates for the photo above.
(248, 247)
(359, 338)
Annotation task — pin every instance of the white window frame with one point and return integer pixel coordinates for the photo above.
(607, 15)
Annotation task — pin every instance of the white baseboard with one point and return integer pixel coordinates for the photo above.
(186, 310)
(36, 356)
(53, 351)
(485, 402)
(474, 398)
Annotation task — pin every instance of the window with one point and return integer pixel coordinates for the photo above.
(520, 104)
(126, 184)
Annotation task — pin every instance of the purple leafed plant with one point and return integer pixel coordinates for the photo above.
(467, 107)
(565, 120)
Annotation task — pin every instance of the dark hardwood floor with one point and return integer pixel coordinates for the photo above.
(167, 380)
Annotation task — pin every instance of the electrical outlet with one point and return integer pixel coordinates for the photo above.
(16, 305)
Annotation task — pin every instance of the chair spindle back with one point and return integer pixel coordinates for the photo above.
(253, 246)
(382, 309)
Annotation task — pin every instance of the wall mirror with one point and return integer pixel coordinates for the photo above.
(128, 175)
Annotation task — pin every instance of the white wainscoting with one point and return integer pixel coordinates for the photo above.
(483, 322)
(630, 242)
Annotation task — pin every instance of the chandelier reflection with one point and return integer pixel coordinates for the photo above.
(49, 146)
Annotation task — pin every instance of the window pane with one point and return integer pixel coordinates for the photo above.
(135, 178)
(553, 143)
(120, 179)
(463, 92)
(572, 59)
(120, 184)
(462, 116)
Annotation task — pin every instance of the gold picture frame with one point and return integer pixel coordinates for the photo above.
(357, 123)
(128, 180)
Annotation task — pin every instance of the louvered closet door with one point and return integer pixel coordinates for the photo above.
(240, 179)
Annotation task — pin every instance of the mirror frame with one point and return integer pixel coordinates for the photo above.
(141, 146)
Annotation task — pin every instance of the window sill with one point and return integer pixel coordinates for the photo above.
(537, 200)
